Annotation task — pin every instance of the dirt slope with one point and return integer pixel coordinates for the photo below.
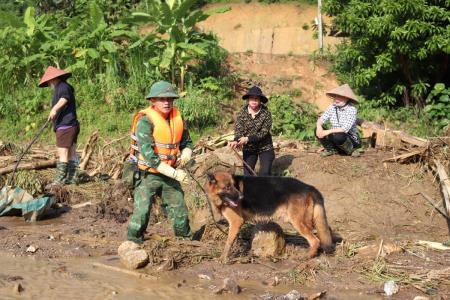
(266, 28)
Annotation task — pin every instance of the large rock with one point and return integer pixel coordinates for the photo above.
(268, 240)
(127, 246)
(135, 259)
(132, 256)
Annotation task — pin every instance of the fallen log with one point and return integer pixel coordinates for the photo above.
(445, 184)
(30, 166)
(386, 137)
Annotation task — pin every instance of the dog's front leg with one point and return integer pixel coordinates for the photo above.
(235, 222)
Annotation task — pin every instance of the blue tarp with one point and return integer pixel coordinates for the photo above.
(16, 201)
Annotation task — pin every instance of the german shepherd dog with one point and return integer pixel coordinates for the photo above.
(242, 198)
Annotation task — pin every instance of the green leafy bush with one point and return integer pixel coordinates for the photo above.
(394, 51)
(293, 120)
(438, 106)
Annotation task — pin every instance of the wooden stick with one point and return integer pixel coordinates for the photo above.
(440, 210)
(243, 161)
(125, 271)
(30, 166)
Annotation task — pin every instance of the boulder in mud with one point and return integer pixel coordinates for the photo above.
(135, 259)
(268, 240)
(127, 246)
(132, 256)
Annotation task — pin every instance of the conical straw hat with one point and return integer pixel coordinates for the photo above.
(344, 91)
(52, 73)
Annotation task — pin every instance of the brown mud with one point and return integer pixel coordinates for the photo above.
(374, 207)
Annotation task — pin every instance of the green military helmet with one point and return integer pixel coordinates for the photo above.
(162, 89)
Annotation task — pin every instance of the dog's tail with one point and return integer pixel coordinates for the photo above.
(321, 224)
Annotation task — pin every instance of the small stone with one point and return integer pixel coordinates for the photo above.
(114, 293)
(204, 276)
(32, 249)
(292, 295)
(421, 298)
(266, 296)
(231, 286)
(18, 288)
(274, 281)
(51, 238)
(135, 259)
(127, 246)
(390, 288)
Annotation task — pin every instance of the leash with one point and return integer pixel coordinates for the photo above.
(38, 134)
(243, 161)
(206, 194)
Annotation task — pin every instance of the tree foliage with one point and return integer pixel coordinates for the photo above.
(395, 51)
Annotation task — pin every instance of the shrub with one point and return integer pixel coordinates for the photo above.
(293, 120)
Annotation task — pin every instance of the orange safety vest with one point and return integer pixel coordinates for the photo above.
(166, 133)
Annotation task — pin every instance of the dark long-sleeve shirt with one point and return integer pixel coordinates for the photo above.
(258, 129)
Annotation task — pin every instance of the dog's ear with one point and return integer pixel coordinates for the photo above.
(233, 169)
(211, 178)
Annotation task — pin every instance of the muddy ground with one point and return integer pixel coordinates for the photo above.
(369, 203)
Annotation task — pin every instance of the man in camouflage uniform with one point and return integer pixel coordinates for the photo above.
(158, 135)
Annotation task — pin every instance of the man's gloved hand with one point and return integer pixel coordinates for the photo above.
(181, 176)
(186, 155)
(168, 171)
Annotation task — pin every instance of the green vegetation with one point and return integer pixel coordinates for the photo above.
(293, 120)
(395, 52)
(113, 64)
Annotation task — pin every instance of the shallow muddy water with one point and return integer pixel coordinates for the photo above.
(80, 279)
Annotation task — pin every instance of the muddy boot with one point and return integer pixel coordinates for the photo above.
(329, 148)
(60, 176)
(347, 147)
(72, 172)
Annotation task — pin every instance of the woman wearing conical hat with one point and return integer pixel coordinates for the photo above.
(343, 135)
(65, 124)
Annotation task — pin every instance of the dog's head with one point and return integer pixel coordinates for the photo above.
(222, 189)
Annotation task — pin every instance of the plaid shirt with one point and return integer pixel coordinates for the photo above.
(257, 130)
(343, 117)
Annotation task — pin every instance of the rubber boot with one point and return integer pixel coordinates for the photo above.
(60, 175)
(347, 147)
(329, 147)
(72, 172)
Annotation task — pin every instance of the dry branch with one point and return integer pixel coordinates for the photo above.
(30, 166)
(88, 149)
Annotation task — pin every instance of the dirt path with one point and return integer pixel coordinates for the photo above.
(367, 202)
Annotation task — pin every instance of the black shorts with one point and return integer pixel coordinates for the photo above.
(65, 138)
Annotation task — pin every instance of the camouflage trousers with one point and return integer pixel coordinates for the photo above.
(172, 196)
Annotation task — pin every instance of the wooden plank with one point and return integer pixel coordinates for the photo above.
(445, 184)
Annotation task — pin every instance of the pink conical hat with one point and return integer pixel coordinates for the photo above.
(345, 91)
(52, 73)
